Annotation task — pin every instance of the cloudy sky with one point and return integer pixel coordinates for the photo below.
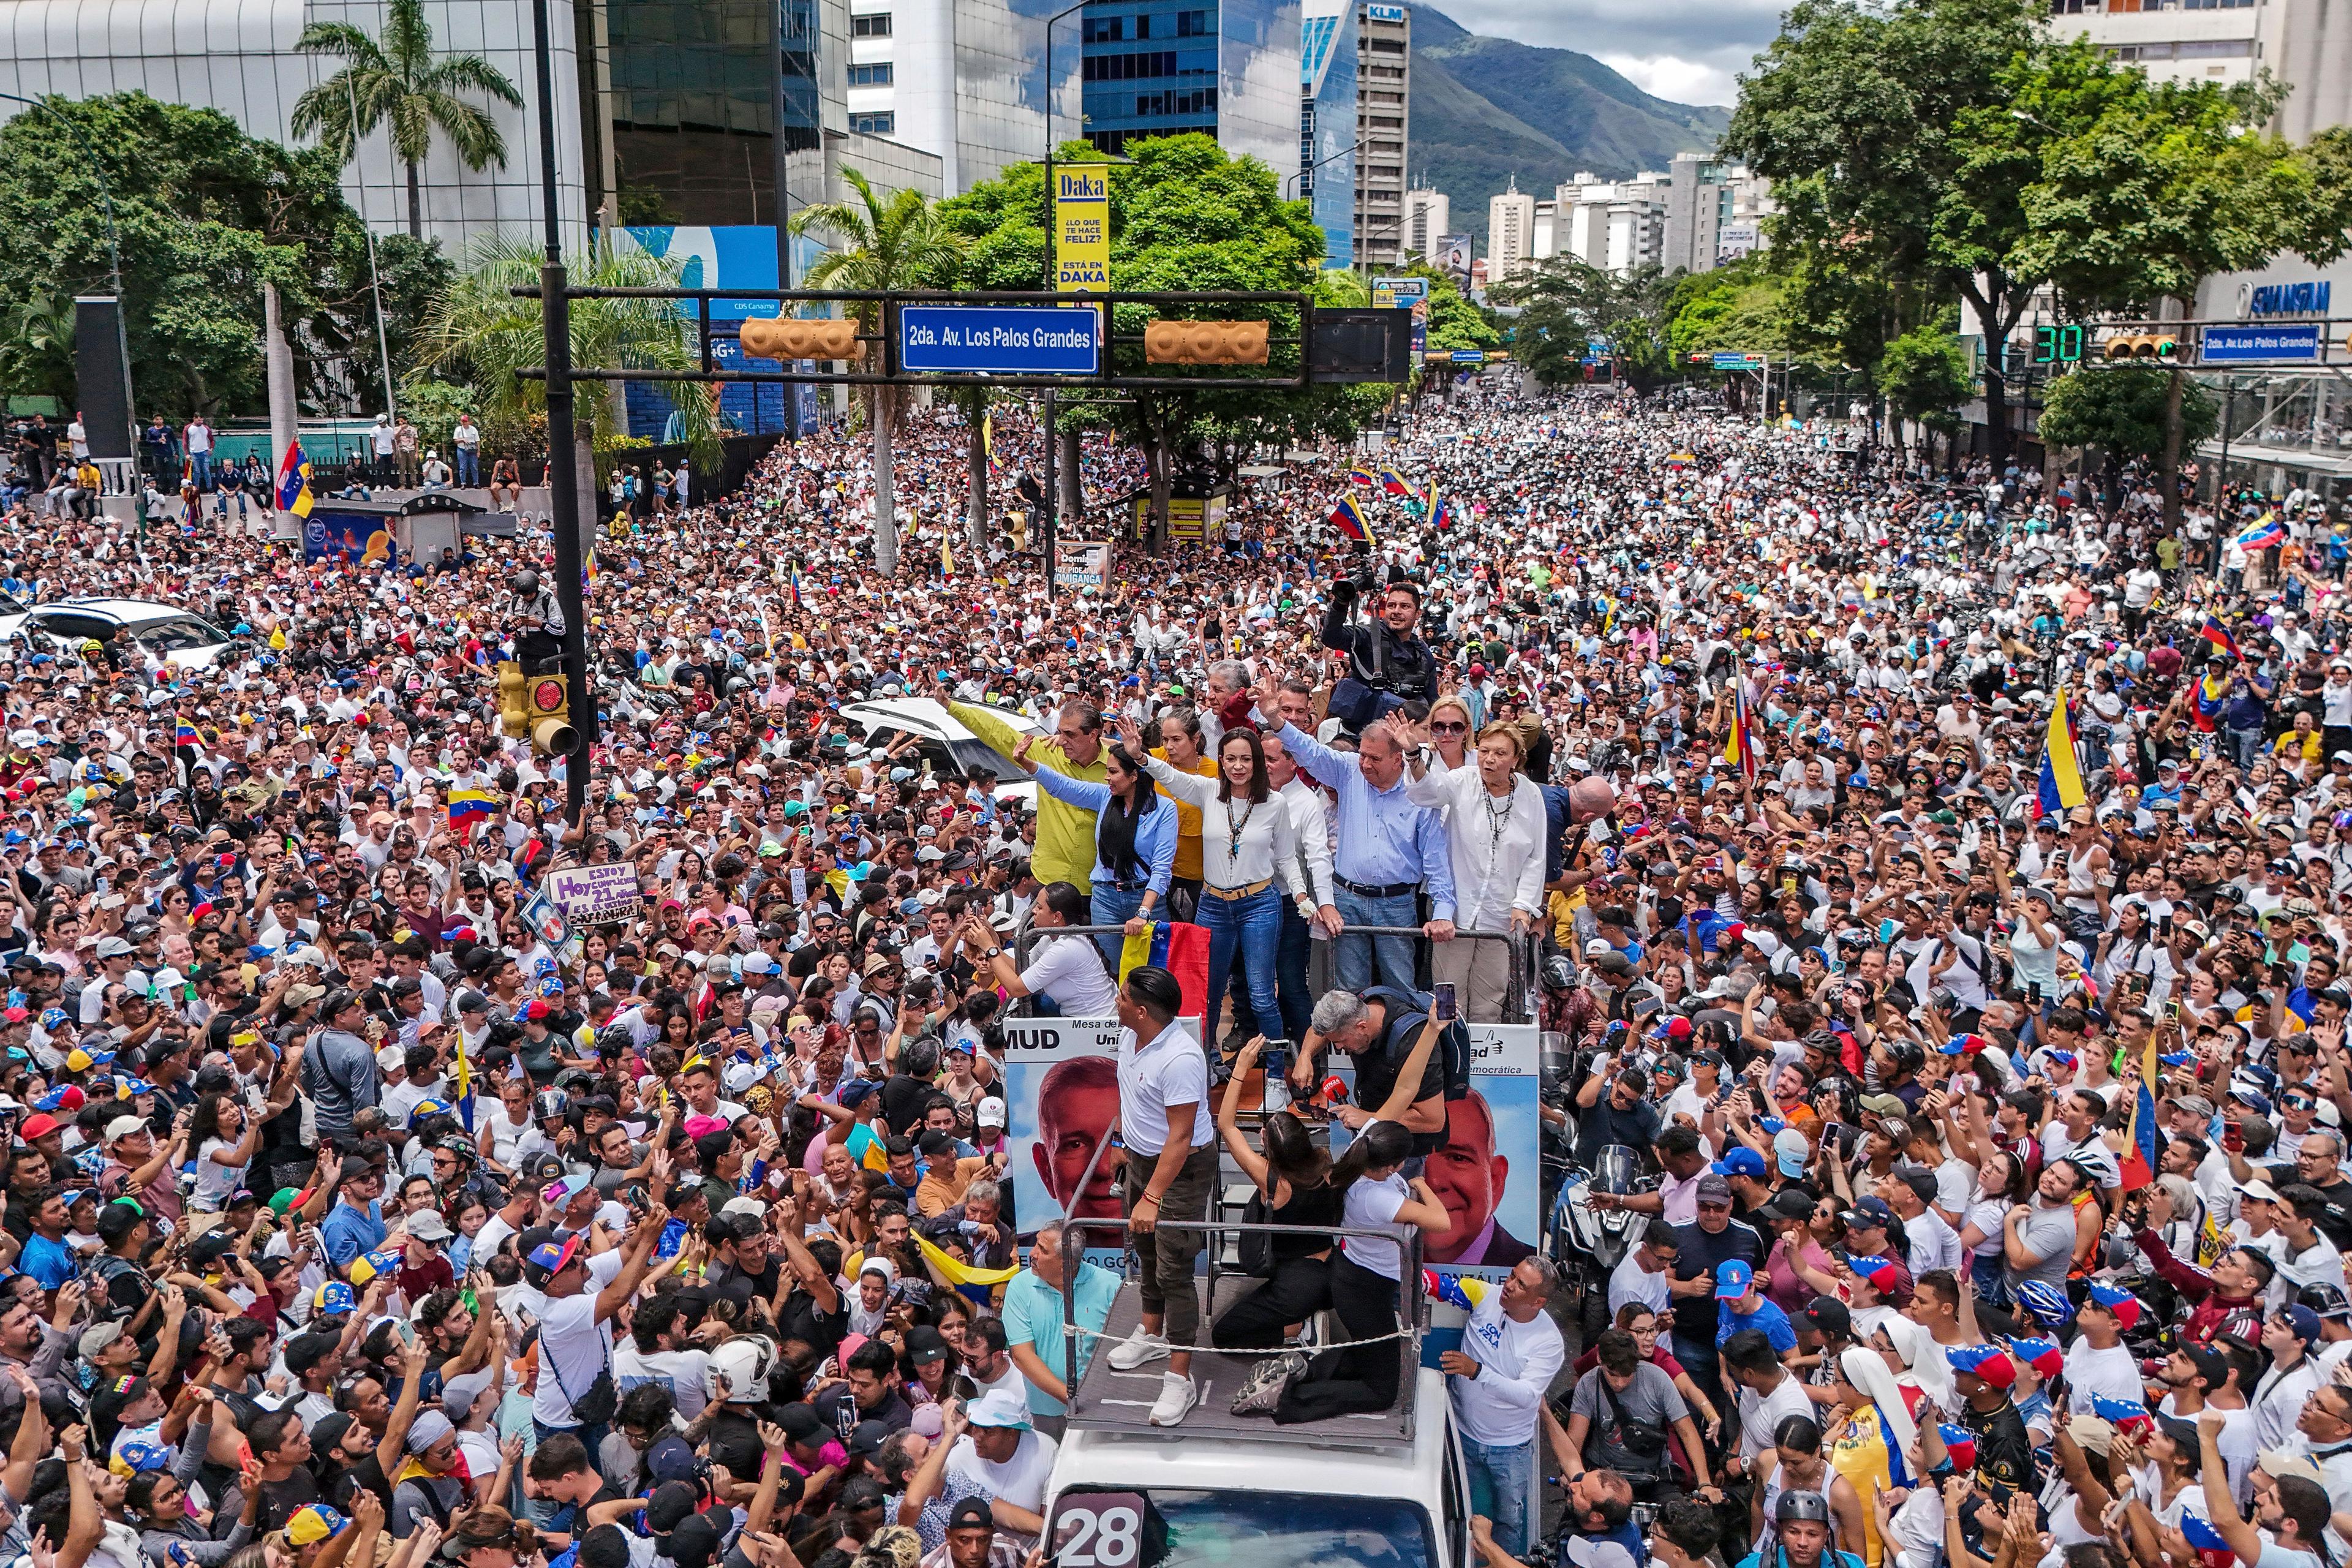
(1685, 50)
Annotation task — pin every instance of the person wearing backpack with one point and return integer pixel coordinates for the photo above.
(1377, 1030)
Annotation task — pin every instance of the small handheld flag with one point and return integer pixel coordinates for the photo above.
(1394, 482)
(1362, 477)
(2267, 530)
(2216, 633)
(294, 481)
(2061, 775)
(469, 806)
(1741, 750)
(1349, 518)
(187, 740)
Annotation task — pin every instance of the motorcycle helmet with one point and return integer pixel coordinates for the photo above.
(550, 1104)
(1791, 1507)
(525, 583)
(738, 1372)
(1559, 973)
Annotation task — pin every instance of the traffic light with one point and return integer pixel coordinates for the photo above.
(547, 701)
(1205, 343)
(786, 338)
(2162, 346)
(514, 714)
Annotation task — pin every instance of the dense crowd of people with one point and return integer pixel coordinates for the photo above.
(1987, 1130)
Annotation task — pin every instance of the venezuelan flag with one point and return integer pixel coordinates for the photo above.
(2216, 633)
(294, 481)
(2267, 530)
(1362, 477)
(979, 1285)
(1349, 518)
(465, 1084)
(796, 580)
(1178, 948)
(988, 440)
(1441, 511)
(187, 740)
(468, 805)
(2138, 1166)
(2061, 776)
(1741, 750)
(1394, 482)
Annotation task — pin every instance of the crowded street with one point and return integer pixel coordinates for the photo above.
(1641, 983)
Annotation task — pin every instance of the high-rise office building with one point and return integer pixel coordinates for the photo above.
(1384, 105)
(1228, 68)
(964, 80)
(1428, 219)
(1327, 122)
(1510, 233)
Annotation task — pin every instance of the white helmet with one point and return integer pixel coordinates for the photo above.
(737, 1371)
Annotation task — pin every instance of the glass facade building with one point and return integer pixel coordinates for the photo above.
(1326, 123)
(1229, 69)
(692, 106)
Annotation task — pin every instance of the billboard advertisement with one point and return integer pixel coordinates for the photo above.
(1061, 1097)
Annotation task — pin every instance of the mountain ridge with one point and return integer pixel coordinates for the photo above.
(1537, 114)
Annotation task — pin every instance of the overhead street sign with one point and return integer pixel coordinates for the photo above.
(2250, 344)
(998, 340)
(1727, 361)
(1469, 356)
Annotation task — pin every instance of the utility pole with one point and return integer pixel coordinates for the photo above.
(562, 456)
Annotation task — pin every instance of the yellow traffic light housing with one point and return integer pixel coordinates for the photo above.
(547, 699)
(514, 716)
(2164, 347)
(786, 338)
(1205, 343)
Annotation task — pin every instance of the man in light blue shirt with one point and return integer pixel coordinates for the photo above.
(1390, 850)
(1032, 1322)
(355, 1225)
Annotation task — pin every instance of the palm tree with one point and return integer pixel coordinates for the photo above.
(881, 246)
(399, 82)
(480, 330)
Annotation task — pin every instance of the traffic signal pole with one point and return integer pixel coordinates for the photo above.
(562, 445)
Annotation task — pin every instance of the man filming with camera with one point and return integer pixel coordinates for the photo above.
(538, 622)
(1388, 663)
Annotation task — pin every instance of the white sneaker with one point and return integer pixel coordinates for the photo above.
(1130, 1353)
(1178, 1395)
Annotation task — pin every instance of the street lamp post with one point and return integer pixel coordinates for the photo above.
(563, 446)
(1289, 179)
(1051, 521)
(113, 257)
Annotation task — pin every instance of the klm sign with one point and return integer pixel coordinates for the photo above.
(2288, 299)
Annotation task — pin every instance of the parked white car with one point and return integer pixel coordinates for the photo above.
(183, 640)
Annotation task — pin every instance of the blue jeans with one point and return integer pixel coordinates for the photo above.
(1355, 959)
(200, 464)
(1503, 1488)
(1110, 907)
(1290, 973)
(2244, 745)
(1250, 928)
(469, 466)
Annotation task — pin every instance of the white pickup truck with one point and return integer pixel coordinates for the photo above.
(1232, 1491)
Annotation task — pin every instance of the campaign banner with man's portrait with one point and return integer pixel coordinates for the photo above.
(1487, 1172)
(1061, 1098)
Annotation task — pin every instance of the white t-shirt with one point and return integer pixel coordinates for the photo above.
(1069, 969)
(574, 1347)
(1759, 1415)
(2111, 1372)
(1019, 1480)
(679, 1371)
(1629, 1281)
(1933, 1244)
(1169, 1070)
(1371, 1203)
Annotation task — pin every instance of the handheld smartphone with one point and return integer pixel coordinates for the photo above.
(2172, 1010)
(1442, 1007)
(2233, 1137)
(1648, 1007)
(2033, 993)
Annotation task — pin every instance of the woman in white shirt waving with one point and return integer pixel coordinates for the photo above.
(1494, 827)
(1247, 847)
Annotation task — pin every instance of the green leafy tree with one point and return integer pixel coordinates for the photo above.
(1925, 376)
(36, 340)
(2124, 413)
(398, 82)
(2160, 185)
(1897, 167)
(881, 244)
(1570, 304)
(205, 215)
(480, 333)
